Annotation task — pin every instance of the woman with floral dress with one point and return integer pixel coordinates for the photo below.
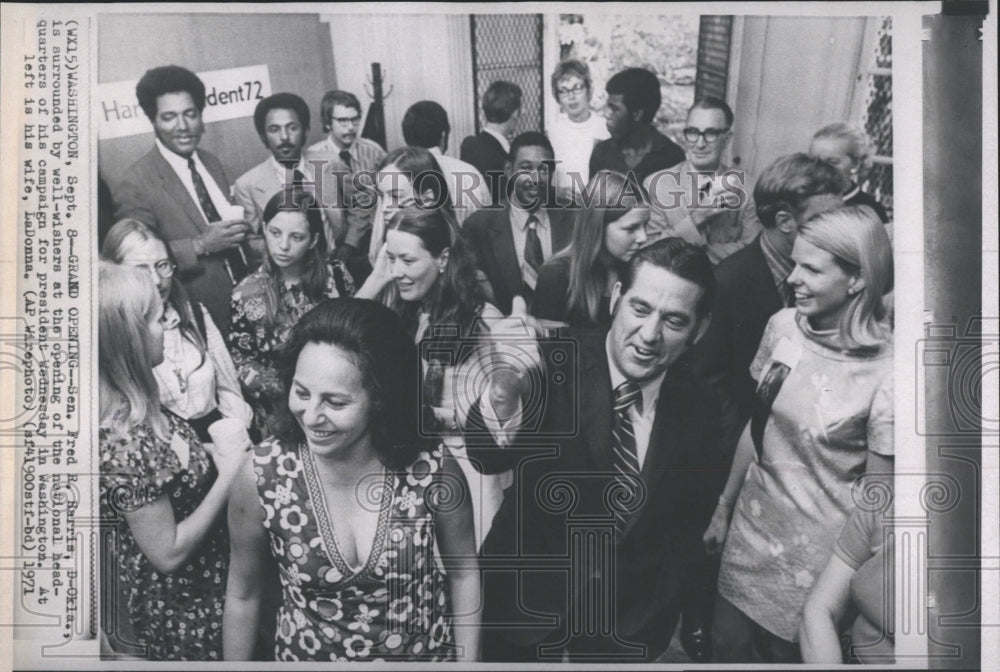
(370, 525)
(823, 418)
(296, 274)
(164, 489)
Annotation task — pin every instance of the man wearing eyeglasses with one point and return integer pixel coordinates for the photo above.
(702, 200)
(353, 159)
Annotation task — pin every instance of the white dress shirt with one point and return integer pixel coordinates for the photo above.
(180, 166)
(642, 422)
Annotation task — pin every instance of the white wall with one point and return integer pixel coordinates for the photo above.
(423, 57)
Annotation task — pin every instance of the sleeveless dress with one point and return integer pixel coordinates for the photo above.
(392, 608)
(177, 616)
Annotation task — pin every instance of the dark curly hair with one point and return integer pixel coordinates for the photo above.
(385, 354)
(457, 297)
(168, 79)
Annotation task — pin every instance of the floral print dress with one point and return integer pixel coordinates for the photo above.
(392, 608)
(255, 346)
(177, 616)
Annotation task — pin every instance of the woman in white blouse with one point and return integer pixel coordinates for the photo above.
(197, 379)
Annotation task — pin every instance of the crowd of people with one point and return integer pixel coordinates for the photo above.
(545, 402)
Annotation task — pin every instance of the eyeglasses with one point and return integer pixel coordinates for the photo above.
(576, 89)
(348, 121)
(163, 268)
(691, 134)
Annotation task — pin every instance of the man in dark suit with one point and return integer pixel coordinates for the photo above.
(488, 150)
(635, 145)
(512, 243)
(183, 192)
(614, 486)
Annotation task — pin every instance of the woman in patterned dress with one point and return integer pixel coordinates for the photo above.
(371, 526)
(296, 274)
(162, 486)
(197, 379)
(823, 418)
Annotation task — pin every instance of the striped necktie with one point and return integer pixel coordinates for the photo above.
(626, 457)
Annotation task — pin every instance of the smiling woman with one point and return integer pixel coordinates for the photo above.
(359, 511)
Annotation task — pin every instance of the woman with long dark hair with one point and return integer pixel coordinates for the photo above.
(296, 274)
(370, 523)
(429, 277)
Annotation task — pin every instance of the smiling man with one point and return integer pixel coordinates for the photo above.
(602, 527)
(183, 193)
(702, 200)
(512, 243)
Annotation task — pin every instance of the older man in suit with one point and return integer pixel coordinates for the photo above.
(183, 192)
(701, 199)
(614, 482)
(488, 150)
(513, 242)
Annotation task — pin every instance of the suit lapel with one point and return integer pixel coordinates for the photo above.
(174, 188)
(596, 409)
(502, 242)
(661, 455)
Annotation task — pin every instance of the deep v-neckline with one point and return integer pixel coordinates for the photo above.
(328, 537)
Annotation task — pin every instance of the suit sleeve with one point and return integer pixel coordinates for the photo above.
(243, 197)
(132, 202)
(550, 298)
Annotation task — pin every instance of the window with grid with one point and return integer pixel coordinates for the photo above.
(509, 47)
(878, 117)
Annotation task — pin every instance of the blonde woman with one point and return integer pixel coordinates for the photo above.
(165, 489)
(823, 417)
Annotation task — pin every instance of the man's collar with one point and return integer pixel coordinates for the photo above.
(781, 266)
(501, 138)
(173, 158)
(650, 387)
(436, 151)
(519, 216)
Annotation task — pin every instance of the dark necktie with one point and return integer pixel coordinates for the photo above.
(207, 207)
(235, 260)
(786, 293)
(533, 245)
(345, 156)
(626, 456)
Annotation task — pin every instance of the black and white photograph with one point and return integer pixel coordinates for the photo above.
(501, 334)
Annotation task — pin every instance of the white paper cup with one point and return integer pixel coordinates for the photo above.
(229, 433)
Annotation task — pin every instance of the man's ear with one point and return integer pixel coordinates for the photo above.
(637, 115)
(785, 222)
(444, 141)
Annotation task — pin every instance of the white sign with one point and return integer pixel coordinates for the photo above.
(229, 94)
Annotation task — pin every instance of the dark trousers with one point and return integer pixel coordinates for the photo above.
(736, 638)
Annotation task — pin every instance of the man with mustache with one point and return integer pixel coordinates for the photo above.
(182, 191)
(282, 122)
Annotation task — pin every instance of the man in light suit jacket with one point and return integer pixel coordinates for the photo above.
(617, 471)
(183, 192)
(282, 122)
(488, 150)
(701, 200)
(512, 242)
